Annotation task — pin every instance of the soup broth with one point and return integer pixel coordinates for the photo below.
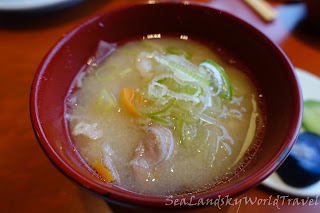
(143, 124)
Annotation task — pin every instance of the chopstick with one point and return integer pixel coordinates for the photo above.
(263, 8)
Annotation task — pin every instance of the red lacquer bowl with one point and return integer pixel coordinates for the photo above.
(268, 64)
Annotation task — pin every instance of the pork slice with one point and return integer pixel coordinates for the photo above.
(107, 159)
(156, 146)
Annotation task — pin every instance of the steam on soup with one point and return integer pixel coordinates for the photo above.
(163, 117)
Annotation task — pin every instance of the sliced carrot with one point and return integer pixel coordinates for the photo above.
(127, 96)
(104, 172)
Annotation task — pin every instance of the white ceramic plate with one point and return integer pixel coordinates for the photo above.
(23, 5)
(310, 85)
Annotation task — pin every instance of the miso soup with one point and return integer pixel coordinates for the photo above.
(165, 116)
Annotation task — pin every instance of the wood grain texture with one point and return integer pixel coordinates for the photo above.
(28, 181)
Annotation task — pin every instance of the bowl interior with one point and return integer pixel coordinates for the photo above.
(267, 63)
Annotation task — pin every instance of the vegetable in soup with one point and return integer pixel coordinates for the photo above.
(164, 116)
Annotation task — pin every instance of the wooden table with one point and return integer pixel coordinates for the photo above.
(28, 181)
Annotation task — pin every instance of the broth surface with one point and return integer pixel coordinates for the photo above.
(209, 153)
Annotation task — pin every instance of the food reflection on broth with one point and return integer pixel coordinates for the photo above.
(164, 116)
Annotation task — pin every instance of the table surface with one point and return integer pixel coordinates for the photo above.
(28, 181)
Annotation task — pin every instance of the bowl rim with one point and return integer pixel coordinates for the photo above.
(131, 198)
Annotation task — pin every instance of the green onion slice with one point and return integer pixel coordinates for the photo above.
(125, 72)
(182, 69)
(178, 51)
(217, 72)
(150, 108)
(164, 121)
(109, 70)
(106, 101)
